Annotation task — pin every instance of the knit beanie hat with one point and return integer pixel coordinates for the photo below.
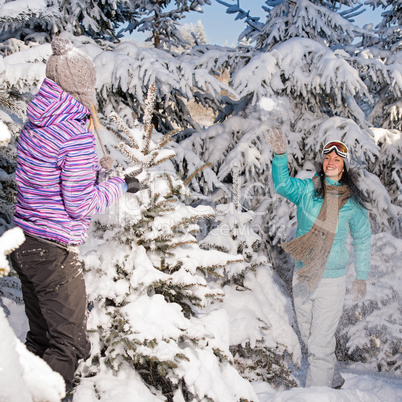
(72, 70)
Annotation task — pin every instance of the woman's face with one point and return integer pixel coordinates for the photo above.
(333, 166)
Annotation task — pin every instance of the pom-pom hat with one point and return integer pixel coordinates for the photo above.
(73, 70)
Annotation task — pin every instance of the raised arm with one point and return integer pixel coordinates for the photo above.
(289, 187)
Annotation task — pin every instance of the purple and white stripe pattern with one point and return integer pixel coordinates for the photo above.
(57, 167)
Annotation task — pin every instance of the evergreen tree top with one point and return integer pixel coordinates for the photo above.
(319, 20)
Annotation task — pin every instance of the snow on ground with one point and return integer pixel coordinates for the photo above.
(360, 386)
(24, 377)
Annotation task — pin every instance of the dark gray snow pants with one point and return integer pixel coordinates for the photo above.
(54, 294)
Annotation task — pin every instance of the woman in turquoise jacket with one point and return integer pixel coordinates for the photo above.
(329, 207)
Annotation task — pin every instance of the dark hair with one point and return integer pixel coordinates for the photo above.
(349, 178)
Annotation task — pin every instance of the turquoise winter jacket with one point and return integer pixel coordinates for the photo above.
(353, 218)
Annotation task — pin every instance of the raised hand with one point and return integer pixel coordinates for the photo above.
(276, 140)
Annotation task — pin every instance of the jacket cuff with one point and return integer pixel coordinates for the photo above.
(281, 158)
(362, 275)
(123, 185)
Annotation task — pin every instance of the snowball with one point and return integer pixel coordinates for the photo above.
(268, 104)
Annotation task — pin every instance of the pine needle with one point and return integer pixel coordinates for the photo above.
(196, 172)
(185, 221)
(166, 138)
(125, 149)
(114, 116)
(149, 106)
(169, 180)
(181, 244)
(148, 138)
(162, 160)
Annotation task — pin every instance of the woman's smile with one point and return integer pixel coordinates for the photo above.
(333, 166)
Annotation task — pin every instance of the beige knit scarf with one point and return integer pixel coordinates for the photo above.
(313, 248)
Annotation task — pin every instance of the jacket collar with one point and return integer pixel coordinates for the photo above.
(332, 182)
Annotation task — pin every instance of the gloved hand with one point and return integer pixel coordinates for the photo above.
(276, 140)
(359, 288)
(133, 185)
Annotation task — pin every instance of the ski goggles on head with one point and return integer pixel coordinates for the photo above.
(339, 147)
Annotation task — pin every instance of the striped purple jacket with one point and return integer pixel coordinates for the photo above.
(57, 166)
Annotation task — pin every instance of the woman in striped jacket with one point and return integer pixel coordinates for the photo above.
(58, 192)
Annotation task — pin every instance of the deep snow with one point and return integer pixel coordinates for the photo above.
(361, 385)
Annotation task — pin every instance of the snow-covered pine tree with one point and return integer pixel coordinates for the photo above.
(370, 329)
(40, 21)
(161, 18)
(98, 19)
(194, 34)
(298, 58)
(241, 140)
(12, 107)
(30, 21)
(8, 187)
(289, 71)
(388, 30)
(14, 237)
(124, 82)
(128, 70)
(379, 64)
(378, 60)
(318, 20)
(387, 170)
(154, 314)
(200, 33)
(261, 335)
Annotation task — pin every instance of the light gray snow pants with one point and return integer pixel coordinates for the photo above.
(318, 313)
